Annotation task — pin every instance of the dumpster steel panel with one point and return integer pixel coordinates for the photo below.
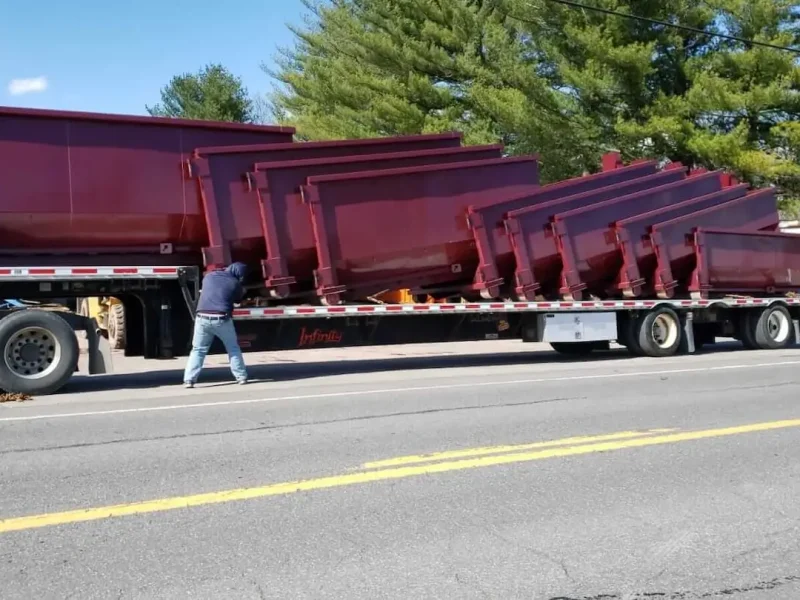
(109, 184)
(231, 206)
(744, 262)
(406, 228)
(672, 240)
(582, 234)
(291, 254)
(496, 256)
(536, 258)
(631, 238)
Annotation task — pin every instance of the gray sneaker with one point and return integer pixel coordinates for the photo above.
(242, 382)
(188, 385)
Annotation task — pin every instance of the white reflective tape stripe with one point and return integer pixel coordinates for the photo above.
(494, 307)
(49, 273)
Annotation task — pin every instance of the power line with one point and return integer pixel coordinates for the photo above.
(614, 13)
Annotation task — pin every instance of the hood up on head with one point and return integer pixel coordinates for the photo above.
(238, 270)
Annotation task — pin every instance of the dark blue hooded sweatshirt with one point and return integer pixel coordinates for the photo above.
(221, 289)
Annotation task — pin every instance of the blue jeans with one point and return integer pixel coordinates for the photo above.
(205, 330)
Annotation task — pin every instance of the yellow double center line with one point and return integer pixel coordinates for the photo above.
(403, 467)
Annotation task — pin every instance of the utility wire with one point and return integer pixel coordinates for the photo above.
(614, 13)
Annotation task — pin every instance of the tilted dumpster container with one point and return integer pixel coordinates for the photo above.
(587, 262)
(536, 258)
(109, 184)
(405, 228)
(496, 267)
(631, 239)
(672, 240)
(744, 262)
(231, 206)
(285, 220)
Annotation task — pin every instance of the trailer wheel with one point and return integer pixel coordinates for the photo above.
(40, 352)
(629, 333)
(659, 332)
(771, 328)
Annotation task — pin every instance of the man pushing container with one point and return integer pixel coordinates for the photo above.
(214, 318)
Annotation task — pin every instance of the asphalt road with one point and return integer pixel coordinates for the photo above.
(503, 478)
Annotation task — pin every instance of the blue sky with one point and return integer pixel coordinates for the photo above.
(116, 56)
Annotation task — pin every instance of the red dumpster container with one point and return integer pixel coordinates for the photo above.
(671, 240)
(744, 262)
(581, 234)
(536, 258)
(488, 223)
(285, 221)
(77, 182)
(632, 240)
(231, 207)
(405, 228)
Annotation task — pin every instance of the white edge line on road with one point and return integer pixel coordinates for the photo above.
(403, 390)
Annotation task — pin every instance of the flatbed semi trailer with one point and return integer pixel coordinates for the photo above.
(40, 347)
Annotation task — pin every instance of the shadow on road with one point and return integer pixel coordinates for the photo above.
(282, 371)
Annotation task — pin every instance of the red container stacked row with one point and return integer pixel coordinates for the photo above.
(345, 220)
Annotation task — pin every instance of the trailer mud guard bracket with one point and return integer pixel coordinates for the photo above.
(687, 339)
(796, 324)
(99, 350)
(100, 362)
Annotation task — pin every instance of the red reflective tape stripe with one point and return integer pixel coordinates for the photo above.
(5, 271)
(164, 271)
(447, 306)
(274, 311)
(497, 306)
(84, 271)
(125, 271)
(473, 306)
(394, 307)
(363, 309)
(306, 311)
(422, 307)
(545, 304)
(41, 271)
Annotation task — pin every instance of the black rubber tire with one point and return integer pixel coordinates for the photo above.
(629, 333)
(574, 348)
(116, 314)
(644, 327)
(61, 332)
(759, 328)
(744, 330)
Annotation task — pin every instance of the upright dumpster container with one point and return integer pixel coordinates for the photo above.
(231, 205)
(74, 183)
(732, 261)
(285, 220)
(671, 240)
(405, 228)
(496, 267)
(536, 258)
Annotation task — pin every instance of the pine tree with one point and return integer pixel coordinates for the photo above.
(568, 83)
(212, 94)
(391, 67)
(703, 100)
